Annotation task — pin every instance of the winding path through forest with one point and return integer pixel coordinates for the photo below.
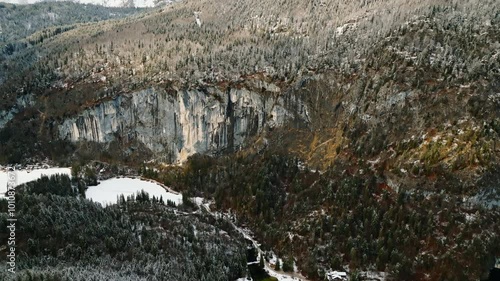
(281, 276)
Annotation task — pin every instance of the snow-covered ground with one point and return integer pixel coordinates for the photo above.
(24, 176)
(268, 266)
(365, 275)
(108, 191)
(336, 275)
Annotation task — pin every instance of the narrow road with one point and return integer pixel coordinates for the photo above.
(281, 276)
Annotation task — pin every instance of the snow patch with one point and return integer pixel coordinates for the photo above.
(197, 17)
(24, 176)
(336, 275)
(108, 191)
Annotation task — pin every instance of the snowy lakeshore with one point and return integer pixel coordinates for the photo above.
(27, 175)
(108, 191)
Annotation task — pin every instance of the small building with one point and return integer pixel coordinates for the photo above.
(336, 276)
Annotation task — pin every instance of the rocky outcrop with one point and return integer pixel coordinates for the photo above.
(21, 103)
(177, 124)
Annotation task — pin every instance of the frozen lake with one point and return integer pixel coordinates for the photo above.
(24, 176)
(107, 191)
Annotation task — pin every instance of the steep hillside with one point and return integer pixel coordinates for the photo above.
(20, 21)
(82, 67)
(23, 28)
(65, 237)
(359, 134)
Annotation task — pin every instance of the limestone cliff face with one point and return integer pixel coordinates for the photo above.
(176, 125)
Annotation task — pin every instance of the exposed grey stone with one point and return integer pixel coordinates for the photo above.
(186, 122)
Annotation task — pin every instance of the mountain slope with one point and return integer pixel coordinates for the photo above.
(71, 238)
(360, 134)
(96, 63)
(20, 21)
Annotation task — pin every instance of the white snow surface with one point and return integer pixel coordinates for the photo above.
(336, 275)
(108, 191)
(24, 176)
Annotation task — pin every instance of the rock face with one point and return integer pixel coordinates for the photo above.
(21, 103)
(176, 125)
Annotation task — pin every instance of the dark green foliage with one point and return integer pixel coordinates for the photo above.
(148, 173)
(355, 276)
(278, 264)
(288, 265)
(55, 184)
(349, 218)
(257, 273)
(66, 237)
(90, 176)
